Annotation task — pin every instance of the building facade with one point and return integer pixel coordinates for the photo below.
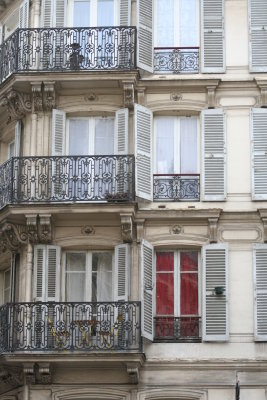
(133, 199)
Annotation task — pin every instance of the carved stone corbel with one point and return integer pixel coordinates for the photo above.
(17, 103)
(31, 222)
(37, 96)
(11, 376)
(139, 229)
(128, 90)
(126, 228)
(29, 373)
(264, 221)
(45, 228)
(49, 96)
(14, 235)
(44, 375)
(211, 96)
(133, 372)
(213, 227)
(262, 85)
(141, 99)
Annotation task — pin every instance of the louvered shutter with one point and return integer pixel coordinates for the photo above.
(215, 306)
(122, 272)
(125, 12)
(47, 13)
(147, 290)
(145, 50)
(121, 131)
(60, 13)
(260, 291)
(52, 273)
(24, 14)
(143, 119)
(212, 36)
(214, 155)
(257, 35)
(58, 132)
(39, 272)
(17, 139)
(258, 122)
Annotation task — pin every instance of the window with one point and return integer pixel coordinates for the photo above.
(86, 13)
(7, 286)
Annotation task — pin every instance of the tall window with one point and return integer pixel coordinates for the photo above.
(91, 13)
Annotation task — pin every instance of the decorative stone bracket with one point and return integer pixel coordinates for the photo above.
(211, 96)
(213, 228)
(43, 96)
(263, 215)
(11, 376)
(133, 372)
(17, 103)
(140, 224)
(262, 85)
(128, 96)
(126, 228)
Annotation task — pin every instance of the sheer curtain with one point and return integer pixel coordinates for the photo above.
(102, 276)
(75, 277)
(165, 23)
(188, 146)
(189, 24)
(165, 145)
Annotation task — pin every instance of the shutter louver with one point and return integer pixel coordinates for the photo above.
(52, 273)
(214, 155)
(145, 50)
(58, 132)
(121, 131)
(60, 12)
(260, 291)
(143, 152)
(24, 14)
(122, 270)
(125, 12)
(259, 153)
(257, 35)
(17, 139)
(47, 14)
(212, 36)
(215, 306)
(147, 288)
(39, 271)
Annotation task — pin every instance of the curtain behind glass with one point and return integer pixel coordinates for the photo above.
(188, 143)
(78, 137)
(104, 136)
(165, 23)
(105, 13)
(81, 14)
(102, 276)
(164, 145)
(75, 277)
(189, 25)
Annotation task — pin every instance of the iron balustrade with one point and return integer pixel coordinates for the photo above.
(70, 326)
(67, 178)
(176, 187)
(178, 329)
(178, 60)
(68, 49)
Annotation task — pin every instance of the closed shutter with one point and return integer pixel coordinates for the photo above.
(58, 132)
(47, 14)
(60, 13)
(147, 290)
(24, 14)
(259, 153)
(122, 272)
(260, 291)
(143, 119)
(215, 306)
(145, 50)
(39, 273)
(125, 12)
(17, 139)
(257, 35)
(214, 155)
(212, 36)
(121, 131)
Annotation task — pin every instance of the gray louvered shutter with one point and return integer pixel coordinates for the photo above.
(47, 11)
(214, 155)
(215, 306)
(17, 139)
(257, 35)
(121, 131)
(212, 36)
(60, 13)
(258, 122)
(125, 12)
(39, 273)
(58, 132)
(122, 272)
(147, 290)
(145, 50)
(52, 273)
(260, 291)
(143, 119)
(24, 14)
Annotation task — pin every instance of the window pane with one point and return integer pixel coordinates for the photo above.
(165, 294)
(81, 13)
(102, 276)
(189, 30)
(165, 145)
(78, 137)
(105, 13)
(189, 294)
(104, 136)
(165, 23)
(75, 278)
(189, 261)
(165, 261)
(188, 138)
(11, 148)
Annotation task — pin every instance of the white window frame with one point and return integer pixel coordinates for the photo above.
(4, 285)
(93, 12)
(9, 147)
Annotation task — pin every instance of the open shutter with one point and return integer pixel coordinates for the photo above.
(214, 155)
(60, 13)
(215, 292)
(257, 35)
(52, 273)
(147, 290)
(58, 132)
(46, 14)
(122, 272)
(125, 12)
(17, 139)
(121, 131)
(212, 36)
(145, 50)
(260, 291)
(143, 119)
(258, 122)
(39, 273)
(24, 14)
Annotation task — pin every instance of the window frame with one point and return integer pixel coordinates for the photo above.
(4, 285)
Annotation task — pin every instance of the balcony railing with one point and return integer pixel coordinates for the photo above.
(68, 49)
(182, 329)
(182, 187)
(67, 178)
(177, 60)
(70, 327)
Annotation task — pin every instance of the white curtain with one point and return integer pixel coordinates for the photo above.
(75, 277)
(165, 23)
(164, 127)
(189, 26)
(78, 137)
(188, 145)
(102, 282)
(104, 136)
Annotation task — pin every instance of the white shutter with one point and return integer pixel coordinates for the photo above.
(145, 50)
(58, 132)
(125, 12)
(260, 291)
(52, 273)
(121, 132)
(60, 13)
(122, 272)
(17, 139)
(143, 119)
(258, 129)
(215, 306)
(257, 35)
(47, 13)
(212, 36)
(214, 155)
(39, 273)
(147, 290)
(24, 14)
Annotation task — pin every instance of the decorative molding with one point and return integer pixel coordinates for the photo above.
(262, 85)
(43, 96)
(176, 229)
(45, 228)
(213, 227)
(264, 221)
(29, 373)
(44, 374)
(211, 96)
(141, 98)
(126, 228)
(91, 97)
(167, 393)
(37, 97)
(176, 96)
(140, 223)
(13, 236)
(31, 222)
(133, 372)
(11, 376)
(17, 103)
(91, 393)
(239, 228)
(88, 230)
(128, 94)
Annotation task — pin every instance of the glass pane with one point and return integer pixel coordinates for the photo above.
(165, 294)
(165, 23)
(189, 294)
(104, 136)
(81, 14)
(102, 276)
(189, 30)
(189, 156)
(165, 261)
(75, 279)
(78, 137)
(189, 261)
(165, 145)
(7, 279)
(105, 13)
(11, 148)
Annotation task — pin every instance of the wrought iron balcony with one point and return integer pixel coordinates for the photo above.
(71, 326)
(67, 178)
(177, 60)
(174, 329)
(182, 187)
(68, 49)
